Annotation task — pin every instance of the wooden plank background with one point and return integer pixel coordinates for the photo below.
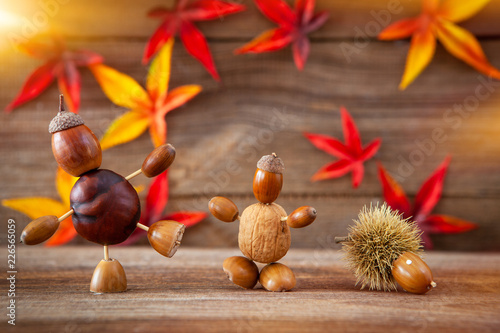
(263, 105)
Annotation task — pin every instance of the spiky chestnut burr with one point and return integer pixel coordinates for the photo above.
(377, 240)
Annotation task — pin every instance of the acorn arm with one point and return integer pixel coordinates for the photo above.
(301, 217)
(39, 230)
(223, 209)
(156, 162)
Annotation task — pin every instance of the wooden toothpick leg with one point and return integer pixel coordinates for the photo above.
(142, 226)
(68, 214)
(134, 174)
(106, 253)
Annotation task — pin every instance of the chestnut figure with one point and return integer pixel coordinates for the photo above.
(264, 234)
(75, 148)
(106, 207)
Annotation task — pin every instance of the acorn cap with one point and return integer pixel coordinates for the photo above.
(271, 163)
(64, 119)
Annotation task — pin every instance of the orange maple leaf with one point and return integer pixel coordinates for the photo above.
(34, 207)
(437, 21)
(147, 107)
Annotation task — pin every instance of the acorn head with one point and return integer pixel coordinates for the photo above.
(75, 148)
(268, 178)
(64, 119)
(378, 238)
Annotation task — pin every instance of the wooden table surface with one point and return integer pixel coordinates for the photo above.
(191, 293)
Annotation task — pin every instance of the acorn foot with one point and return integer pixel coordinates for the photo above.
(109, 277)
(277, 277)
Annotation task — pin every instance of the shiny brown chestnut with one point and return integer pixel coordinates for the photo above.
(106, 207)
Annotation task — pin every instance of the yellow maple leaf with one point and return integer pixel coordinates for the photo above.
(147, 108)
(35, 207)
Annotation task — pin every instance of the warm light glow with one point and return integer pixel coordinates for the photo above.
(9, 20)
(9, 23)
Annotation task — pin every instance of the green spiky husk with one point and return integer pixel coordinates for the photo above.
(375, 241)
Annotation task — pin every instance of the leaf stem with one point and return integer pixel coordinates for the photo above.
(342, 239)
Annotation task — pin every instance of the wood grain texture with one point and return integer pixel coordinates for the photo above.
(190, 292)
(347, 18)
(264, 105)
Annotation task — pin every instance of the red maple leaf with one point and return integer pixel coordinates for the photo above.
(60, 63)
(427, 198)
(156, 201)
(294, 26)
(351, 154)
(180, 20)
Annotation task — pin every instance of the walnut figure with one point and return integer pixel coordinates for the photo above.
(264, 234)
(104, 205)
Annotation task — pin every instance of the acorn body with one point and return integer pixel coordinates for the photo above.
(158, 160)
(106, 207)
(223, 209)
(268, 178)
(413, 274)
(301, 217)
(39, 230)
(267, 185)
(263, 236)
(76, 150)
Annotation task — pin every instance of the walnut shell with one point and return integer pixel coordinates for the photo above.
(263, 236)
